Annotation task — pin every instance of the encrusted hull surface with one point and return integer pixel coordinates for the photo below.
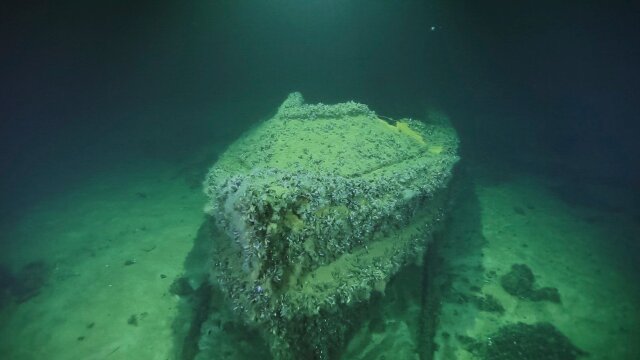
(317, 208)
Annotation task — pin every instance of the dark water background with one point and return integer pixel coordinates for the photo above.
(539, 86)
